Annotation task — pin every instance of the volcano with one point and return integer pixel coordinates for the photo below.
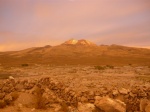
(78, 52)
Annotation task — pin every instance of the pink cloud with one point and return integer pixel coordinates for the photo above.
(52, 22)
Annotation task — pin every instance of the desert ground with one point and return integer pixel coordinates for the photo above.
(79, 88)
(74, 55)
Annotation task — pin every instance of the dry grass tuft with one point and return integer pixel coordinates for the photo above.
(100, 67)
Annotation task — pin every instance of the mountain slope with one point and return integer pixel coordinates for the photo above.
(78, 52)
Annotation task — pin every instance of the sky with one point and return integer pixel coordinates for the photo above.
(33, 23)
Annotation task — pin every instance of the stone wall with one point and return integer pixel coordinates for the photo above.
(135, 99)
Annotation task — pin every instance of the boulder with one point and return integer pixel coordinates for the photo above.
(11, 78)
(8, 99)
(2, 95)
(115, 92)
(6, 89)
(26, 99)
(147, 108)
(2, 104)
(84, 99)
(124, 91)
(143, 104)
(86, 107)
(1, 85)
(107, 104)
(14, 95)
(19, 87)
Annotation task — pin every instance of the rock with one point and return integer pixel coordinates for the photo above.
(142, 94)
(87, 107)
(2, 104)
(84, 99)
(143, 104)
(8, 99)
(11, 78)
(121, 97)
(19, 87)
(14, 95)
(134, 91)
(147, 108)
(1, 85)
(91, 93)
(123, 91)
(2, 95)
(47, 99)
(115, 92)
(32, 109)
(97, 93)
(109, 105)
(28, 86)
(66, 90)
(20, 105)
(6, 89)
(27, 100)
(132, 95)
(57, 107)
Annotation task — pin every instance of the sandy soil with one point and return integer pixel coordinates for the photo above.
(80, 78)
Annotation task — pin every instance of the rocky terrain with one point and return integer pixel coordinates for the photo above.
(75, 76)
(47, 88)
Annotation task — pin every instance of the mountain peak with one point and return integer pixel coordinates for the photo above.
(79, 42)
(71, 42)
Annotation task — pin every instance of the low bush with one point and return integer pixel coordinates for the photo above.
(24, 65)
(110, 66)
(100, 67)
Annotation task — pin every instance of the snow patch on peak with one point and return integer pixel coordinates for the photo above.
(72, 41)
(85, 42)
(79, 42)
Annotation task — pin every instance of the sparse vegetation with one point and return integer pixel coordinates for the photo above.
(104, 67)
(110, 66)
(130, 64)
(100, 67)
(24, 65)
(73, 71)
(52, 93)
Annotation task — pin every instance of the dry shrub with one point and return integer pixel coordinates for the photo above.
(24, 65)
(110, 66)
(100, 67)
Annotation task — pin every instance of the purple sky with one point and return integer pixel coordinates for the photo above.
(30, 23)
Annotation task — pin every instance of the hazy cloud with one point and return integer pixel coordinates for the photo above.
(28, 23)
